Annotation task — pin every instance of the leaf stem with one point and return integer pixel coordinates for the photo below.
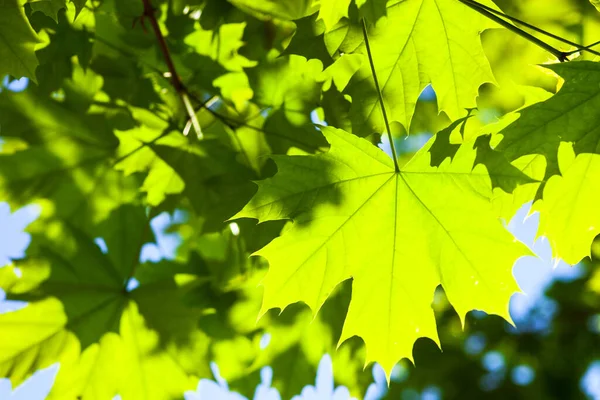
(585, 48)
(175, 79)
(477, 7)
(535, 28)
(377, 88)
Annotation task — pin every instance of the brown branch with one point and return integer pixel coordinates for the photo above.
(175, 79)
(149, 14)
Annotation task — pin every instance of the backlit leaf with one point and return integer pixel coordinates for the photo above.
(397, 235)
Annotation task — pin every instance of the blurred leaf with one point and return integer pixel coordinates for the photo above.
(48, 7)
(68, 160)
(108, 340)
(17, 42)
(284, 9)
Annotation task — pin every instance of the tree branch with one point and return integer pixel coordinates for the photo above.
(552, 50)
(175, 79)
(536, 29)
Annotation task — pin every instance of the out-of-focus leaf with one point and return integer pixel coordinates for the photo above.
(48, 7)
(108, 340)
(67, 160)
(17, 42)
(286, 9)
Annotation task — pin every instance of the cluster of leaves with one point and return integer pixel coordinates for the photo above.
(136, 108)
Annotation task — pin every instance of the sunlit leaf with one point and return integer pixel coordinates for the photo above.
(354, 217)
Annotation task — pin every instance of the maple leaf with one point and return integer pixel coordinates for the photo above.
(64, 157)
(284, 9)
(331, 11)
(48, 7)
(372, 9)
(397, 235)
(108, 340)
(17, 42)
(418, 43)
(568, 116)
(568, 215)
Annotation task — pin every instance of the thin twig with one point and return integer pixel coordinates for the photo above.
(535, 28)
(586, 48)
(175, 79)
(377, 88)
(234, 123)
(554, 51)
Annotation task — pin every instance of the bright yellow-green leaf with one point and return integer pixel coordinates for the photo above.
(222, 45)
(569, 212)
(235, 88)
(284, 9)
(331, 11)
(397, 235)
(419, 42)
(136, 156)
(372, 10)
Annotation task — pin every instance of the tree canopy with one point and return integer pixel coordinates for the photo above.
(279, 132)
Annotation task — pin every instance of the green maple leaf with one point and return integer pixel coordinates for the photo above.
(397, 235)
(144, 343)
(64, 159)
(283, 9)
(568, 116)
(297, 341)
(372, 10)
(221, 45)
(48, 7)
(290, 86)
(596, 3)
(568, 216)
(569, 213)
(137, 156)
(502, 173)
(205, 172)
(79, 5)
(215, 189)
(17, 42)
(418, 43)
(308, 41)
(332, 11)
